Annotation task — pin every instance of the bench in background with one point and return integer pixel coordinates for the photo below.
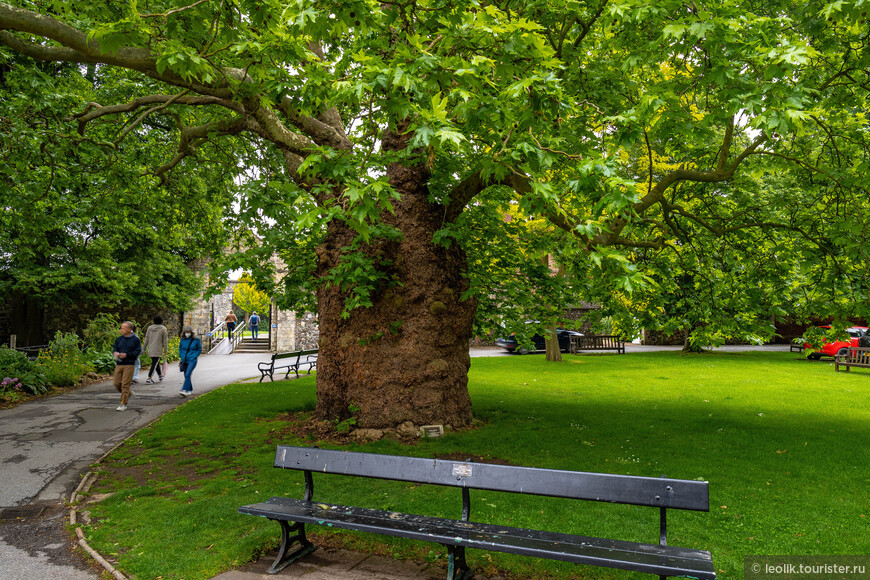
(458, 534)
(292, 361)
(597, 342)
(856, 357)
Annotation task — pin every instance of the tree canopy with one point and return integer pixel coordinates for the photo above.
(697, 165)
(80, 226)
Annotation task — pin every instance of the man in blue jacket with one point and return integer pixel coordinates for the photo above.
(126, 351)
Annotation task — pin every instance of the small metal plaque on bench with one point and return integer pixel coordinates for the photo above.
(462, 470)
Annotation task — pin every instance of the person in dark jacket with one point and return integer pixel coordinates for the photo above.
(189, 350)
(126, 351)
(254, 321)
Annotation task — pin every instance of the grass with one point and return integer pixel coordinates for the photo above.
(783, 442)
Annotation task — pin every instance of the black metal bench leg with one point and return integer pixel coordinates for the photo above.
(305, 547)
(457, 569)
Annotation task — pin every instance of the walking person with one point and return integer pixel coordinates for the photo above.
(126, 350)
(231, 323)
(254, 322)
(156, 343)
(189, 350)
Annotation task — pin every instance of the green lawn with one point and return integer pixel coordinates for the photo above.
(783, 442)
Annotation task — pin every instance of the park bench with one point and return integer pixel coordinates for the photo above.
(292, 361)
(597, 342)
(458, 534)
(856, 357)
(796, 344)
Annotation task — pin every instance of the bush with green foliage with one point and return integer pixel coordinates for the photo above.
(16, 365)
(63, 363)
(102, 362)
(100, 333)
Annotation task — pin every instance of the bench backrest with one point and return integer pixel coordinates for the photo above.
(626, 489)
(592, 341)
(859, 355)
(295, 354)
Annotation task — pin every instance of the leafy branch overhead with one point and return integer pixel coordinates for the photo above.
(650, 135)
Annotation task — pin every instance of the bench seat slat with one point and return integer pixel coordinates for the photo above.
(627, 489)
(649, 558)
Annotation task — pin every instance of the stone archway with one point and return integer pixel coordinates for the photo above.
(286, 331)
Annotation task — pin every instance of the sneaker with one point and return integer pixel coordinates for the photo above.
(161, 377)
(121, 408)
(148, 381)
(135, 381)
(183, 393)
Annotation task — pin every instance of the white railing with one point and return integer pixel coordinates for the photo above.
(238, 334)
(216, 337)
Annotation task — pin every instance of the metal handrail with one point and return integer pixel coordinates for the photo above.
(216, 335)
(238, 334)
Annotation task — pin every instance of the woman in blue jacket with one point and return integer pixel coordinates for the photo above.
(188, 349)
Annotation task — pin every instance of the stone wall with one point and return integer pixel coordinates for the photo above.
(656, 338)
(307, 332)
(583, 318)
(283, 330)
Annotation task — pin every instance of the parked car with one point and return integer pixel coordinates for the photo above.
(511, 344)
(838, 347)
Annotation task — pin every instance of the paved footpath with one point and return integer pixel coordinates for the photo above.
(47, 445)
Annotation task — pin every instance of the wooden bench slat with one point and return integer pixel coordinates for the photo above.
(597, 342)
(856, 357)
(650, 558)
(627, 489)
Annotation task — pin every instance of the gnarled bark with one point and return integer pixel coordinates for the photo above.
(406, 357)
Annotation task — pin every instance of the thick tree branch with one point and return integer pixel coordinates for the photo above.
(474, 184)
(95, 110)
(321, 132)
(326, 129)
(193, 137)
(75, 41)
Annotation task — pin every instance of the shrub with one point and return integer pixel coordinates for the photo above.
(63, 363)
(14, 364)
(10, 385)
(101, 332)
(172, 349)
(103, 362)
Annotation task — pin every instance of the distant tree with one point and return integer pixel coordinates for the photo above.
(82, 223)
(249, 298)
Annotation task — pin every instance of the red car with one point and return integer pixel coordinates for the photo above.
(839, 347)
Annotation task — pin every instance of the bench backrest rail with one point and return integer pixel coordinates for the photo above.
(625, 489)
(603, 341)
(298, 354)
(859, 355)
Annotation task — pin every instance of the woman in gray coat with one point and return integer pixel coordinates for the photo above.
(156, 343)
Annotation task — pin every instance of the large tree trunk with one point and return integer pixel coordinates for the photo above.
(404, 359)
